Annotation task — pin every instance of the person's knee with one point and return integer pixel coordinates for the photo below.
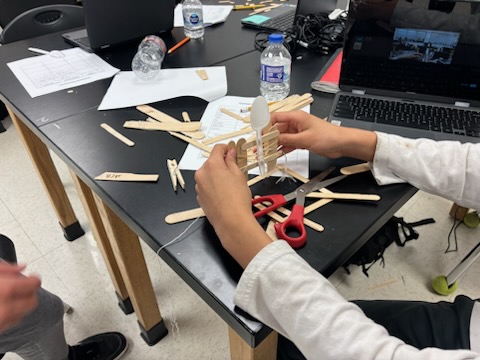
(50, 308)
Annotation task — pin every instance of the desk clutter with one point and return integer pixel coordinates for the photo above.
(255, 147)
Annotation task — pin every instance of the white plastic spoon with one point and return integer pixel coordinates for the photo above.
(259, 118)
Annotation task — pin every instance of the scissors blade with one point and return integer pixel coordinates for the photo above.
(312, 184)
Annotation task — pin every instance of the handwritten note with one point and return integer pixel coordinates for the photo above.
(118, 176)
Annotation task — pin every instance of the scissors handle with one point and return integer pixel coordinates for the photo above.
(295, 222)
(275, 200)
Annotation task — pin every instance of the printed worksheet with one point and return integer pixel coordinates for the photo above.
(64, 69)
(216, 123)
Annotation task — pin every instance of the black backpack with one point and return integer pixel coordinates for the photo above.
(374, 248)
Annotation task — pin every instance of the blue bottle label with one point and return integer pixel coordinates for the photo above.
(194, 19)
(272, 74)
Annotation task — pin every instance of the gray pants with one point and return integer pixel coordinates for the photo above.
(40, 335)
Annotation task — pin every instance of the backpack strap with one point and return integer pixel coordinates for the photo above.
(408, 229)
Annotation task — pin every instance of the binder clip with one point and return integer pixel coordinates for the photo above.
(175, 174)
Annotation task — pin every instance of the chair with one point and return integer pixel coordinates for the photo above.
(42, 20)
(12, 8)
(39, 20)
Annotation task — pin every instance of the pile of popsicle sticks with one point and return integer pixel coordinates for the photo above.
(281, 214)
(191, 133)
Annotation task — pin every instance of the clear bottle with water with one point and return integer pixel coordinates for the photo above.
(275, 68)
(147, 62)
(193, 19)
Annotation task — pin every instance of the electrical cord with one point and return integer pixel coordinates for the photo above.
(316, 32)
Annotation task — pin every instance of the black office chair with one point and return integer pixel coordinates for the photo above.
(35, 22)
(42, 20)
(12, 8)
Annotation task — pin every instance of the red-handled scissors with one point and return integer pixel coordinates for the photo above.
(295, 220)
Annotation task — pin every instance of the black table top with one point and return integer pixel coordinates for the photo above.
(72, 131)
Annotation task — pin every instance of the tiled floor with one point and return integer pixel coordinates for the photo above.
(75, 270)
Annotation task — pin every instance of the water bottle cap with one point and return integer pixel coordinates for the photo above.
(275, 38)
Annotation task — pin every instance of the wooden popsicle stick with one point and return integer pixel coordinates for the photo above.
(298, 105)
(184, 215)
(194, 142)
(267, 158)
(162, 117)
(119, 176)
(202, 73)
(197, 135)
(258, 178)
(287, 212)
(355, 169)
(345, 196)
(232, 114)
(116, 134)
(185, 116)
(215, 139)
(271, 135)
(316, 205)
(147, 125)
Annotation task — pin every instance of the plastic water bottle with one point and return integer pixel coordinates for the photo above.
(193, 19)
(275, 68)
(147, 62)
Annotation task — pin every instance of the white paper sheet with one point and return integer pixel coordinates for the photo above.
(128, 90)
(215, 123)
(44, 74)
(212, 14)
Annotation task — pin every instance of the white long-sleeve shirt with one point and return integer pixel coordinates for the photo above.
(308, 310)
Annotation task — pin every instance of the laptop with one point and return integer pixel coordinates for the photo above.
(281, 18)
(111, 22)
(408, 75)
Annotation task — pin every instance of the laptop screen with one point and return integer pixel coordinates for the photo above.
(427, 48)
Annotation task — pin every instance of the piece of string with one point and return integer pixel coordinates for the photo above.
(454, 230)
(175, 328)
(285, 174)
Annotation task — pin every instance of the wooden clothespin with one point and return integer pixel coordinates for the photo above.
(175, 174)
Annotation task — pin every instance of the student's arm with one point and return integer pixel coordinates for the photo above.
(282, 290)
(446, 168)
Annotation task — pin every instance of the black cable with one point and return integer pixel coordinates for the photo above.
(315, 32)
(454, 230)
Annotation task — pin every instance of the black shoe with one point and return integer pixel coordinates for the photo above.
(105, 346)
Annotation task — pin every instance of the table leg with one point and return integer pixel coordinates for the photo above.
(129, 257)
(51, 181)
(240, 350)
(98, 230)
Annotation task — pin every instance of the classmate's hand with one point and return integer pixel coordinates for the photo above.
(300, 130)
(18, 294)
(226, 199)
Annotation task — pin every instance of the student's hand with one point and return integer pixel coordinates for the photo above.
(300, 130)
(226, 199)
(18, 294)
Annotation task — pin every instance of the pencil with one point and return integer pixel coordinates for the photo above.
(246, 7)
(177, 45)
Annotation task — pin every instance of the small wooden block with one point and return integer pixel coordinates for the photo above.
(458, 212)
(202, 73)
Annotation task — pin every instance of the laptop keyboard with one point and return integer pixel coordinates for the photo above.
(84, 41)
(421, 116)
(280, 23)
